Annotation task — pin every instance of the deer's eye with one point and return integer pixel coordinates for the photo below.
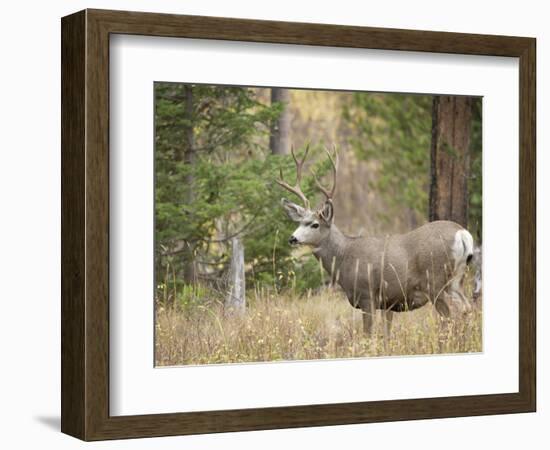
(315, 225)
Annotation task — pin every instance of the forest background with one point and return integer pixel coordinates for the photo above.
(405, 159)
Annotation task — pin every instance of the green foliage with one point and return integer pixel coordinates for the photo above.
(394, 131)
(227, 189)
(191, 294)
(223, 118)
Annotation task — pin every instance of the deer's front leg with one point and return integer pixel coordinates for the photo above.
(367, 322)
(367, 306)
(388, 317)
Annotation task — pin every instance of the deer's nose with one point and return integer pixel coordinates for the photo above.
(292, 240)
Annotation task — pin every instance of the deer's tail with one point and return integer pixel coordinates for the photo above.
(463, 248)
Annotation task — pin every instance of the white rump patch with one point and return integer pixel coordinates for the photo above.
(463, 247)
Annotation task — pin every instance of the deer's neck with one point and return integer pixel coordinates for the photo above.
(331, 250)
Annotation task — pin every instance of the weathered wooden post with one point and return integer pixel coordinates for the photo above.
(236, 299)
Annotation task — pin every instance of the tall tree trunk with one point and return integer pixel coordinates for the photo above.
(279, 141)
(188, 157)
(235, 301)
(450, 158)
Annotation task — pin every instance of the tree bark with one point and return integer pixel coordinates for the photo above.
(450, 158)
(279, 141)
(236, 301)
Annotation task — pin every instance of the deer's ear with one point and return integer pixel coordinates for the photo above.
(294, 211)
(327, 212)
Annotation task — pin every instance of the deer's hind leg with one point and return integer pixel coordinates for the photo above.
(442, 307)
(439, 302)
(456, 289)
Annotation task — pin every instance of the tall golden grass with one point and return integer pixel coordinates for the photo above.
(278, 327)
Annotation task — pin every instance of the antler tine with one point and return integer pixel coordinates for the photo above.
(299, 164)
(334, 163)
(296, 189)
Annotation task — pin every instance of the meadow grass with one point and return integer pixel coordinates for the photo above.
(278, 327)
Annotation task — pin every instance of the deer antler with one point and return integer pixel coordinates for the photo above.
(296, 189)
(334, 163)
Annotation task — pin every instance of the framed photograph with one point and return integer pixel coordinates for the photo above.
(273, 225)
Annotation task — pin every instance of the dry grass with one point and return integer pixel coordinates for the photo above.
(321, 326)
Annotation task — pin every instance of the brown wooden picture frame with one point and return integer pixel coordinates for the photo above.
(85, 224)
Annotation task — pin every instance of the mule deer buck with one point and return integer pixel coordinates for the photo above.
(393, 273)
